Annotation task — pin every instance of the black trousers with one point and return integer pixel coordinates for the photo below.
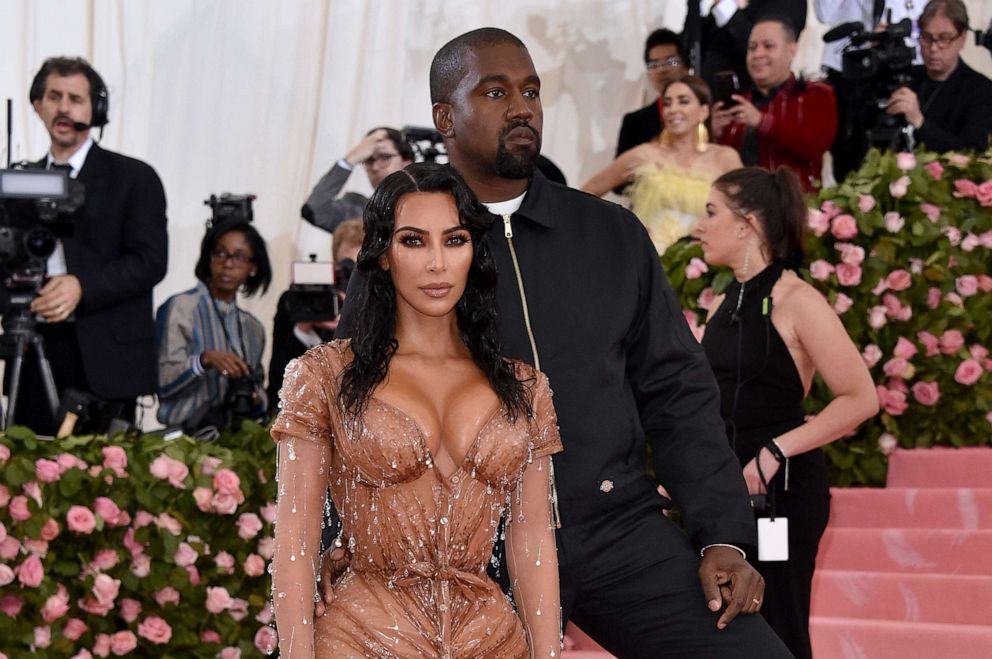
(629, 579)
(65, 358)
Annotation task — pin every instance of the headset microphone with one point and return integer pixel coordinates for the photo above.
(79, 125)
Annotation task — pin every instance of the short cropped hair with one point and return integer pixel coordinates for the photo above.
(396, 137)
(349, 232)
(662, 37)
(791, 33)
(448, 66)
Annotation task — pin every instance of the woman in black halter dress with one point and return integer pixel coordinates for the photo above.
(765, 338)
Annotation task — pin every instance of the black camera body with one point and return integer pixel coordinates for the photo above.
(242, 399)
(317, 298)
(230, 207)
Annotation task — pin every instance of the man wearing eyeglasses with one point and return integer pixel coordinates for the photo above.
(948, 102)
(382, 151)
(664, 62)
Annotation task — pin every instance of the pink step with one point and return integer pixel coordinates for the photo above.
(938, 508)
(940, 467)
(942, 551)
(856, 638)
(941, 598)
(580, 642)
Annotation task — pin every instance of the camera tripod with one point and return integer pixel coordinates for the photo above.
(20, 332)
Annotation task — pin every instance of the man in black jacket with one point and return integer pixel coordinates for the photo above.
(582, 296)
(948, 102)
(97, 298)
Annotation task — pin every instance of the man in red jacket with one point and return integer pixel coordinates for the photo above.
(784, 121)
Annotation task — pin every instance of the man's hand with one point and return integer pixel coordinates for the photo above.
(332, 564)
(729, 580)
(905, 102)
(361, 152)
(721, 118)
(770, 467)
(230, 365)
(58, 298)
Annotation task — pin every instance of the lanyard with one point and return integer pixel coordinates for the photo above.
(241, 331)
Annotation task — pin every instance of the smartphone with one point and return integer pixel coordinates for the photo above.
(725, 83)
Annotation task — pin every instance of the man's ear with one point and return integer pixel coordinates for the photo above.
(442, 119)
(36, 104)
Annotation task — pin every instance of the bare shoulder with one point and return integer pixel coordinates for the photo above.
(794, 297)
(726, 157)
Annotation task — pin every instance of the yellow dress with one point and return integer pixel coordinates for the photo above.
(668, 200)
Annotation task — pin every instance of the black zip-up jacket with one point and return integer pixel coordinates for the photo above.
(621, 361)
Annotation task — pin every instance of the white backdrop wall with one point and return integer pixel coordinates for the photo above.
(261, 96)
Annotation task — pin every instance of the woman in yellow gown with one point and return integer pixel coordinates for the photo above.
(670, 176)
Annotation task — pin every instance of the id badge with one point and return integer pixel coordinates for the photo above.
(773, 539)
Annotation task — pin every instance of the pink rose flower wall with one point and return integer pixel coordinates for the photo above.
(901, 250)
(118, 549)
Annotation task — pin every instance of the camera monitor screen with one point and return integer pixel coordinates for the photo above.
(33, 184)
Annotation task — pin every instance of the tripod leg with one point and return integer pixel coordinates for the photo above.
(20, 345)
(47, 379)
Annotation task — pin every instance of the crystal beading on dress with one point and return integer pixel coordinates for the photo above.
(418, 539)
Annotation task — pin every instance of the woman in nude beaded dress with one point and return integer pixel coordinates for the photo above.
(426, 438)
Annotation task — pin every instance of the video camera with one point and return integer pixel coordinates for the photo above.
(317, 290)
(230, 207)
(427, 144)
(35, 210)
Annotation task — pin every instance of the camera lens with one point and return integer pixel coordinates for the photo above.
(39, 243)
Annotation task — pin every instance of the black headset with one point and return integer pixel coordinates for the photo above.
(98, 89)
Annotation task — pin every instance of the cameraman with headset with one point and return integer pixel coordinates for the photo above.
(210, 349)
(948, 102)
(96, 302)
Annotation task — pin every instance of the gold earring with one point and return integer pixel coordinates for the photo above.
(702, 137)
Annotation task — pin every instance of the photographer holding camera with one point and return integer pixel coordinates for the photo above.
(96, 301)
(210, 350)
(948, 102)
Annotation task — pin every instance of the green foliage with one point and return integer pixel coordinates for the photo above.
(915, 287)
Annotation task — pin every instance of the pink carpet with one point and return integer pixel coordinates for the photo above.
(903, 572)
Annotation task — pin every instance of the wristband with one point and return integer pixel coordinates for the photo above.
(702, 552)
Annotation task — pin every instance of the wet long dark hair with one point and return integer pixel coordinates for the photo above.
(374, 337)
(776, 199)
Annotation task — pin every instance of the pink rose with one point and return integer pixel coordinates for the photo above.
(4, 454)
(19, 508)
(899, 280)
(953, 235)
(104, 560)
(42, 637)
(866, 203)
(897, 367)
(842, 303)
(696, 268)
(694, 327)
(970, 242)
(82, 654)
(169, 523)
(249, 525)
(209, 465)
(123, 643)
(101, 647)
(954, 298)
(268, 512)
(893, 401)
(965, 188)
(142, 519)
(899, 187)
(141, 565)
(49, 530)
(74, 628)
(230, 652)
(848, 274)
(9, 548)
(935, 169)
(4, 496)
(844, 227)
(115, 458)
(267, 547)
(11, 605)
(107, 509)
(877, 318)
(155, 629)
(254, 565)
(238, 609)
(819, 222)
(968, 372)
(218, 599)
(129, 609)
(209, 636)
(47, 471)
(185, 555)
(227, 482)
(3, 532)
(106, 589)
(90, 605)
(204, 497)
(986, 239)
(706, 298)
(933, 297)
(894, 222)
(951, 341)
(225, 562)
(226, 504)
(56, 605)
(163, 467)
(33, 490)
(31, 571)
(820, 269)
(194, 575)
(967, 285)
(265, 615)
(979, 352)
(80, 519)
(905, 161)
(926, 393)
(167, 595)
(958, 160)
(871, 354)
(887, 443)
(68, 461)
(930, 342)
(266, 640)
(829, 209)
(132, 545)
(6, 574)
(39, 547)
(904, 348)
(895, 309)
